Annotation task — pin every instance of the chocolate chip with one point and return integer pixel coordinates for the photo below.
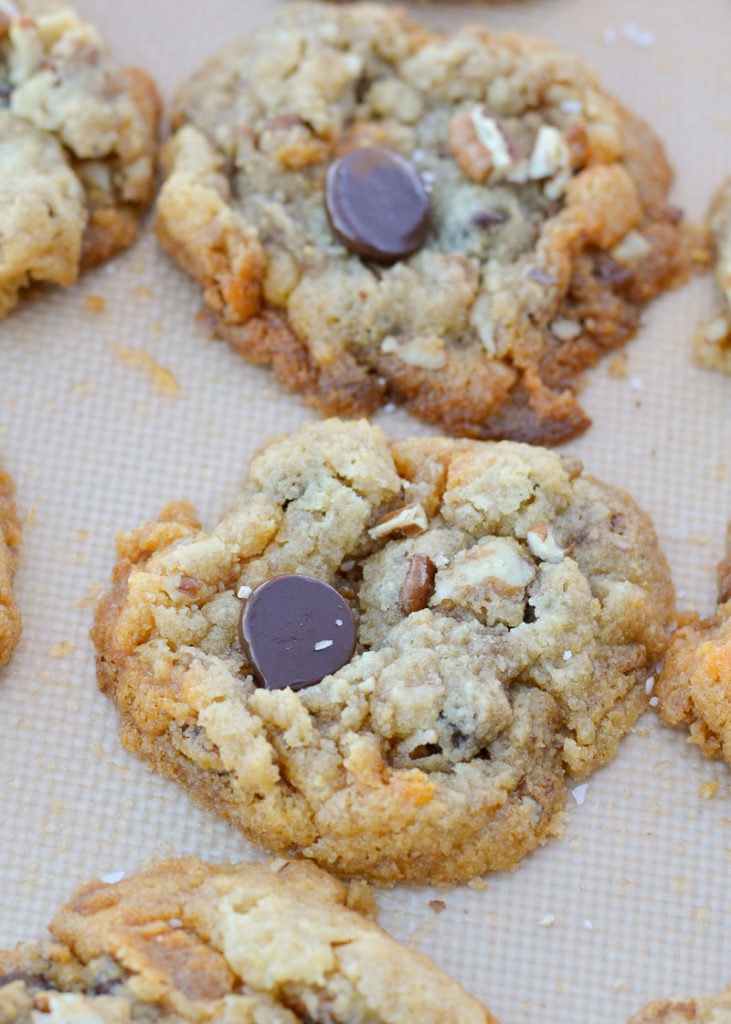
(295, 630)
(417, 585)
(377, 204)
(488, 218)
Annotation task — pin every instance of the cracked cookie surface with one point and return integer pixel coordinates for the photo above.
(680, 1010)
(442, 748)
(78, 146)
(550, 222)
(712, 343)
(694, 687)
(277, 943)
(10, 626)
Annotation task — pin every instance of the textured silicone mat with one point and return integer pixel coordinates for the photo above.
(107, 415)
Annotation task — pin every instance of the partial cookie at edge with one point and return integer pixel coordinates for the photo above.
(686, 1010)
(694, 687)
(443, 748)
(276, 943)
(550, 208)
(712, 342)
(78, 148)
(10, 625)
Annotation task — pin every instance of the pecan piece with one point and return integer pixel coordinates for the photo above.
(417, 585)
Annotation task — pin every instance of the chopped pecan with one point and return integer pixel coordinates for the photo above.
(417, 585)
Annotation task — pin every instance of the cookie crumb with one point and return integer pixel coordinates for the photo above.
(478, 884)
(62, 649)
(708, 790)
(163, 379)
(96, 303)
(438, 906)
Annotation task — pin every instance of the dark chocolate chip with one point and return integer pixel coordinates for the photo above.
(295, 630)
(377, 204)
(488, 218)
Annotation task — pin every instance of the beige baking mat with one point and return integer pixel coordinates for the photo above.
(107, 415)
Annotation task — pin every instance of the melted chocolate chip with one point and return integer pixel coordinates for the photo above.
(295, 630)
(377, 204)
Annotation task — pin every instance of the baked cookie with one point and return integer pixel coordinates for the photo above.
(712, 343)
(312, 156)
(694, 687)
(712, 1010)
(183, 940)
(10, 627)
(505, 610)
(78, 144)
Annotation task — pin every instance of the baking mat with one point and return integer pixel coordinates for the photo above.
(108, 413)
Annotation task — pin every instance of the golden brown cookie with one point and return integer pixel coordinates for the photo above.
(679, 1010)
(507, 612)
(78, 144)
(549, 222)
(712, 342)
(694, 687)
(10, 626)
(276, 943)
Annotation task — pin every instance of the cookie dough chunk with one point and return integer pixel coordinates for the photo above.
(712, 1010)
(694, 688)
(78, 144)
(508, 611)
(550, 227)
(183, 940)
(9, 539)
(712, 342)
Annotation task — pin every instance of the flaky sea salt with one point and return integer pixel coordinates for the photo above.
(571, 106)
(567, 655)
(653, 702)
(243, 593)
(547, 921)
(638, 36)
(649, 684)
(579, 793)
(322, 645)
(587, 924)
(112, 877)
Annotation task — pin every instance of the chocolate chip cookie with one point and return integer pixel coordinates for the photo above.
(276, 943)
(694, 687)
(507, 611)
(711, 1010)
(531, 208)
(78, 145)
(9, 539)
(712, 343)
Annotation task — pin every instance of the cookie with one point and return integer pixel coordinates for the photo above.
(10, 626)
(711, 1010)
(78, 145)
(507, 611)
(712, 343)
(183, 940)
(548, 231)
(694, 687)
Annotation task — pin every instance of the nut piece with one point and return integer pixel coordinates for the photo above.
(543, 544)
(407, 521)
(418, 584)
(479, 144)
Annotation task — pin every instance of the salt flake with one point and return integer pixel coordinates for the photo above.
(547, 921)
(579, 793)
(321, 645)
(243, 593)
(114, 876)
